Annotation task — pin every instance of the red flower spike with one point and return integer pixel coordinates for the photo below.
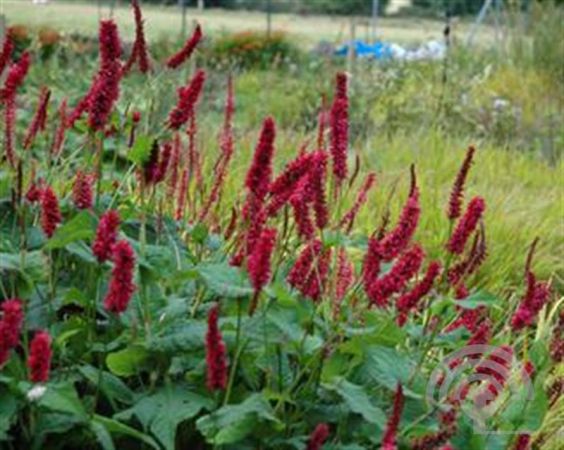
(339, 122)
(318, 176)
(185, 52)
(409, 300)
(37, 124)
(216, 353)
(284, 184)
(318, 437)
(59, 139)
(461, 292)
(398, 239)
(341, 86)
(371, 264)
(16, 75)
(260, 173)
(258, 263)
(39, 360)
(187, 98)
(139, 52)
(395, 280)
(50, 212)
(10, 327)
(466, 225)
(33, 193)
(9, 130)
(389, 440)
(345, 279)
(6, 52)
(105, 89)
(82, 194)
(432, 441)
(121, 286)
(106, 235)
(347, 221)
(457, 192)
(522, 442)
(300, 200)
(309, 273)
(81, 107)
(535, 298)
(345, 274)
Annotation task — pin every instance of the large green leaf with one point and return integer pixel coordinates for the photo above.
(231, 423)
(64, 399)
(31, 268)
(110, 385)
(8, 408)
(358, 401)
(115, 427)
(386, 366)
(225, 280)
(180, 338)
(80, 227)
(103, 436)
(163, 411)
(126, 362)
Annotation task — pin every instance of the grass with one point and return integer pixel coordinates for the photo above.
(166, 22)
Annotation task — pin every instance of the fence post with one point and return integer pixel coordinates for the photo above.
(351, 49)
(375, 7)
(182, 4)
(268, 17)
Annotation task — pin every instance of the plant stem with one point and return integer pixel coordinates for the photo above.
(236, 354)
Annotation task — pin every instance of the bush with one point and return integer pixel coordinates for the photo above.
(254, 49)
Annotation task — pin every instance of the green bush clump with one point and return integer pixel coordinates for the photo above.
(250, 49)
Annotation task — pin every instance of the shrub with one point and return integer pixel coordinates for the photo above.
(254, 49)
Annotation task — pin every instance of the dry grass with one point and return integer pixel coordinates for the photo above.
(166, 21)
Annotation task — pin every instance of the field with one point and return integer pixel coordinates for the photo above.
(249, 245)
(164, 21)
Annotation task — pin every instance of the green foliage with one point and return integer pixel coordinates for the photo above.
(252, 49)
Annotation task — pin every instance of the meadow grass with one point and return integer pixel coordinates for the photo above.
(166, 22)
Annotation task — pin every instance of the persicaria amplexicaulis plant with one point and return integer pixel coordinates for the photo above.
(297, 312)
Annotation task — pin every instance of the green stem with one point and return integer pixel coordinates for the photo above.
(236, 354)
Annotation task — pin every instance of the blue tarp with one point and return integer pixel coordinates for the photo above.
(378, 50)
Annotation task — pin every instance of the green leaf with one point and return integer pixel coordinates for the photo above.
(231, 423)
(33, 268)
(358, 401)
(476, 300)
(386, 366)
(115, 427)
(80, 227)
(103, 437)
(126, 362)
(8, 409)
(83, 251)
(225, 280)
(110, 385)
(180, 338)
(141, 150)
(163, 411)
(63, 398)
